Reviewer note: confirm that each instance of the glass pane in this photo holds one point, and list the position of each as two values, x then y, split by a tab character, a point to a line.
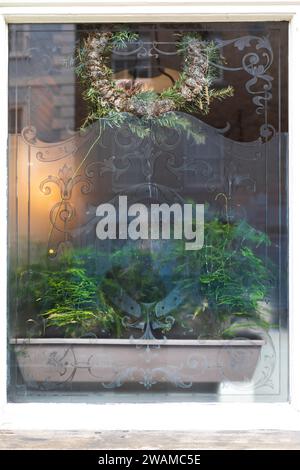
148	212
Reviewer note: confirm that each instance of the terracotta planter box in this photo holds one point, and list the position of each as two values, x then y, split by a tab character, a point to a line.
113	363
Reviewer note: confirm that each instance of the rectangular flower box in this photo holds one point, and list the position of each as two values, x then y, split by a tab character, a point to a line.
115	362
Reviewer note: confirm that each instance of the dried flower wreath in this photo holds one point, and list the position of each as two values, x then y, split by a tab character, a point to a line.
193	92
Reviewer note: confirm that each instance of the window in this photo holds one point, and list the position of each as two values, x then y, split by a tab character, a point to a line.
103	317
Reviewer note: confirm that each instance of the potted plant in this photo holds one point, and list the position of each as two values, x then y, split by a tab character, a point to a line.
147	314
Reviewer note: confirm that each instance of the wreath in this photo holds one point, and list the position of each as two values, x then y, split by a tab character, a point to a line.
192	92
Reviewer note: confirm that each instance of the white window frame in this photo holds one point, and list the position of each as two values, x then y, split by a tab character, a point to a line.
159	416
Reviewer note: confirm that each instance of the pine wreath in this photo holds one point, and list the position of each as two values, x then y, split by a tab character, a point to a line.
193	92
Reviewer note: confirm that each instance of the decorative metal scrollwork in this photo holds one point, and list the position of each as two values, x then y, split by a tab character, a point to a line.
201	168
67	365
63	211
51	152
256	64
109	165
149	316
